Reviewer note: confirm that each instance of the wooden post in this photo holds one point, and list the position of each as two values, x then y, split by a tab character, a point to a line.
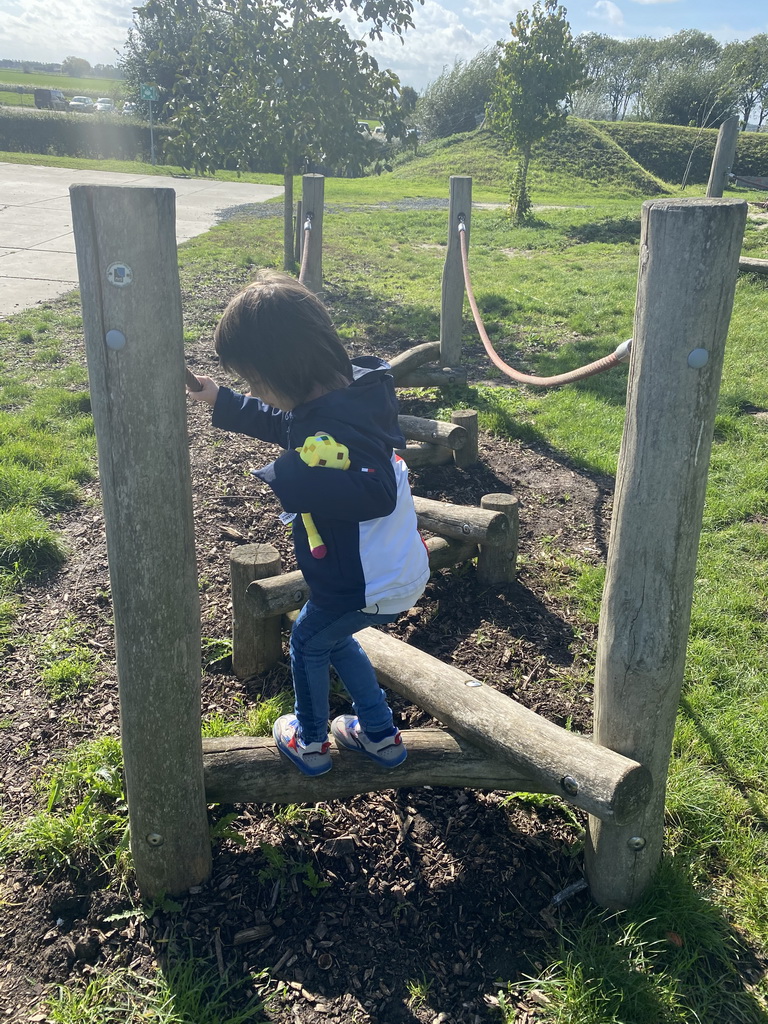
313	199
689	252
466	455
256	641
452	301
298	233
496	563
129	284
725	155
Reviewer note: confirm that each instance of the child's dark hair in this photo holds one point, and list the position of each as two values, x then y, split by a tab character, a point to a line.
280	331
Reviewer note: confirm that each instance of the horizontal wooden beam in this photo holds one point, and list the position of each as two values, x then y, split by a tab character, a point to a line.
249	769
463	522
606	784
413	358
448	435
418	455
433	377
753	266
281	594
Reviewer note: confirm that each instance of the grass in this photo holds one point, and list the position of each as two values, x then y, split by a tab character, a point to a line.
555	293
49	80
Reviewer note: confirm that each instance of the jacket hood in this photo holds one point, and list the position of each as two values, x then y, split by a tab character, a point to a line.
367	405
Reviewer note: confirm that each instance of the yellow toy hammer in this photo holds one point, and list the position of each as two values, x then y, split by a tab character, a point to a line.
321	450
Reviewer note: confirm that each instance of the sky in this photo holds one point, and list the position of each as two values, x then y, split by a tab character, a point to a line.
445	30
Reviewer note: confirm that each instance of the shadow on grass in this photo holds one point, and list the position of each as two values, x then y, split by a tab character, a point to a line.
610	231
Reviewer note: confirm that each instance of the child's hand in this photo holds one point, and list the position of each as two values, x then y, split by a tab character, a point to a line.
207	393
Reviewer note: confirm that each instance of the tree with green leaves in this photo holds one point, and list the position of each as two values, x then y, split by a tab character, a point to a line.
538	69
456	100
264	86
75	67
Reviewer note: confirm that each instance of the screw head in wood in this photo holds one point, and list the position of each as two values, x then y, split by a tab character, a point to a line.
570	785
636	843
155	839
115	340
697	358
465	528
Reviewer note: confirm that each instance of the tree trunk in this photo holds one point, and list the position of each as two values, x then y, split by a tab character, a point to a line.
520	201
289	260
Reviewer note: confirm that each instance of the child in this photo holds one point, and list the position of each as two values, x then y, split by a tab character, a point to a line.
278	336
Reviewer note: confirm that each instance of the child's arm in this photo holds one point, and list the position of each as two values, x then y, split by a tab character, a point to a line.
202	389
241	414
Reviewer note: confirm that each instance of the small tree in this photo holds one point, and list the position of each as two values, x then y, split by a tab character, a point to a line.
538	69
456	101
75	67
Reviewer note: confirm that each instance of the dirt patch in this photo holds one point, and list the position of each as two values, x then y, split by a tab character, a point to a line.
420	903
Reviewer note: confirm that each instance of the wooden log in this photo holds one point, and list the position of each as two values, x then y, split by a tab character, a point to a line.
433	377
279	595
413	358
312	203
688	268
753	266
416	455
496	563
126	256
447	435
466	455
452	288
599	780
723	159
298	233
256	640
249	769
462	522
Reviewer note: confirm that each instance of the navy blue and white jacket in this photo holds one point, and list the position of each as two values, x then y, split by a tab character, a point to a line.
376	560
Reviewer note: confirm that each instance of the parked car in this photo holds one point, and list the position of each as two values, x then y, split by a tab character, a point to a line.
363	127
379	129
50	99
83	103
104	105
129	109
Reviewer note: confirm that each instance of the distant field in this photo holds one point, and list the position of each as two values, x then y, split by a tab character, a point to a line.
70	86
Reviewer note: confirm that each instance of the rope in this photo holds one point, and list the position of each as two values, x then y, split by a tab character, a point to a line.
606	363
305	248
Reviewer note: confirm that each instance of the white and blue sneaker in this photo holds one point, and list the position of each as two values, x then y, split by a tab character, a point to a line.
310	758
388	752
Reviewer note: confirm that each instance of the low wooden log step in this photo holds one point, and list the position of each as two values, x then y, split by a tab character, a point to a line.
753	266
413	358
447	435
608	785
249	769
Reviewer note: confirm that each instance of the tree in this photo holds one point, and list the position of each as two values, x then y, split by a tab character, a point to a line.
260	84
408	100
747	65
538	68
457	99
75	67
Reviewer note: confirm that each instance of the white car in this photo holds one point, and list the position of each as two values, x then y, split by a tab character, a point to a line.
129	109
83	103
104	105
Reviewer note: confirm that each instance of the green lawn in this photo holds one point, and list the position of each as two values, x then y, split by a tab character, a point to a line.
69	86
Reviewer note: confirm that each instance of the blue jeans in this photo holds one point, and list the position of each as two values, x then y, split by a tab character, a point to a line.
321	638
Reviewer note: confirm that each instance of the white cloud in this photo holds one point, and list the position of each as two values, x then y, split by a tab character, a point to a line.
50	30
606	10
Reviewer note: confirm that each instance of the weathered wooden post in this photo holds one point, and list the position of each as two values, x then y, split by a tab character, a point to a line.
467	455
129	284
313	198
452	299
497	563
725	154
256	640
689	255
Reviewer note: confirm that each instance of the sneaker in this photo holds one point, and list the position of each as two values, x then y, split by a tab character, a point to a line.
310	758
348	733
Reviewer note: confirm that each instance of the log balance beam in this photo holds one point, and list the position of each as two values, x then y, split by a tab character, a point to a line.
495	743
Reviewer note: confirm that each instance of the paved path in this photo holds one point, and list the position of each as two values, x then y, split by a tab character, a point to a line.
37	248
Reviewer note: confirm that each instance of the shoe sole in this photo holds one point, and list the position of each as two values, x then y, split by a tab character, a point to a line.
297	761
357	749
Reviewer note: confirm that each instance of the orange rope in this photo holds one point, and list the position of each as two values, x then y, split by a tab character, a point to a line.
305	248
606	363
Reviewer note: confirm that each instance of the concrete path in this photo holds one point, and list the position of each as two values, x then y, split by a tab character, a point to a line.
37	248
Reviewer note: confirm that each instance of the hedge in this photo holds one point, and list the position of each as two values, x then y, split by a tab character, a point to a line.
665	149
89	136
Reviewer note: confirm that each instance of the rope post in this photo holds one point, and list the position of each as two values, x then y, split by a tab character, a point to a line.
466	455
256	641
313	198
496	563
452	298
725	155
129	285
689	255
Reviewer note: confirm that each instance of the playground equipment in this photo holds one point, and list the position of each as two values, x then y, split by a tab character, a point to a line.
689	255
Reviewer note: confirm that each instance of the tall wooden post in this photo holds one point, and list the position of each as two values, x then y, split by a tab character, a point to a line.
313	198
689	254
725	155
129	285
452	299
